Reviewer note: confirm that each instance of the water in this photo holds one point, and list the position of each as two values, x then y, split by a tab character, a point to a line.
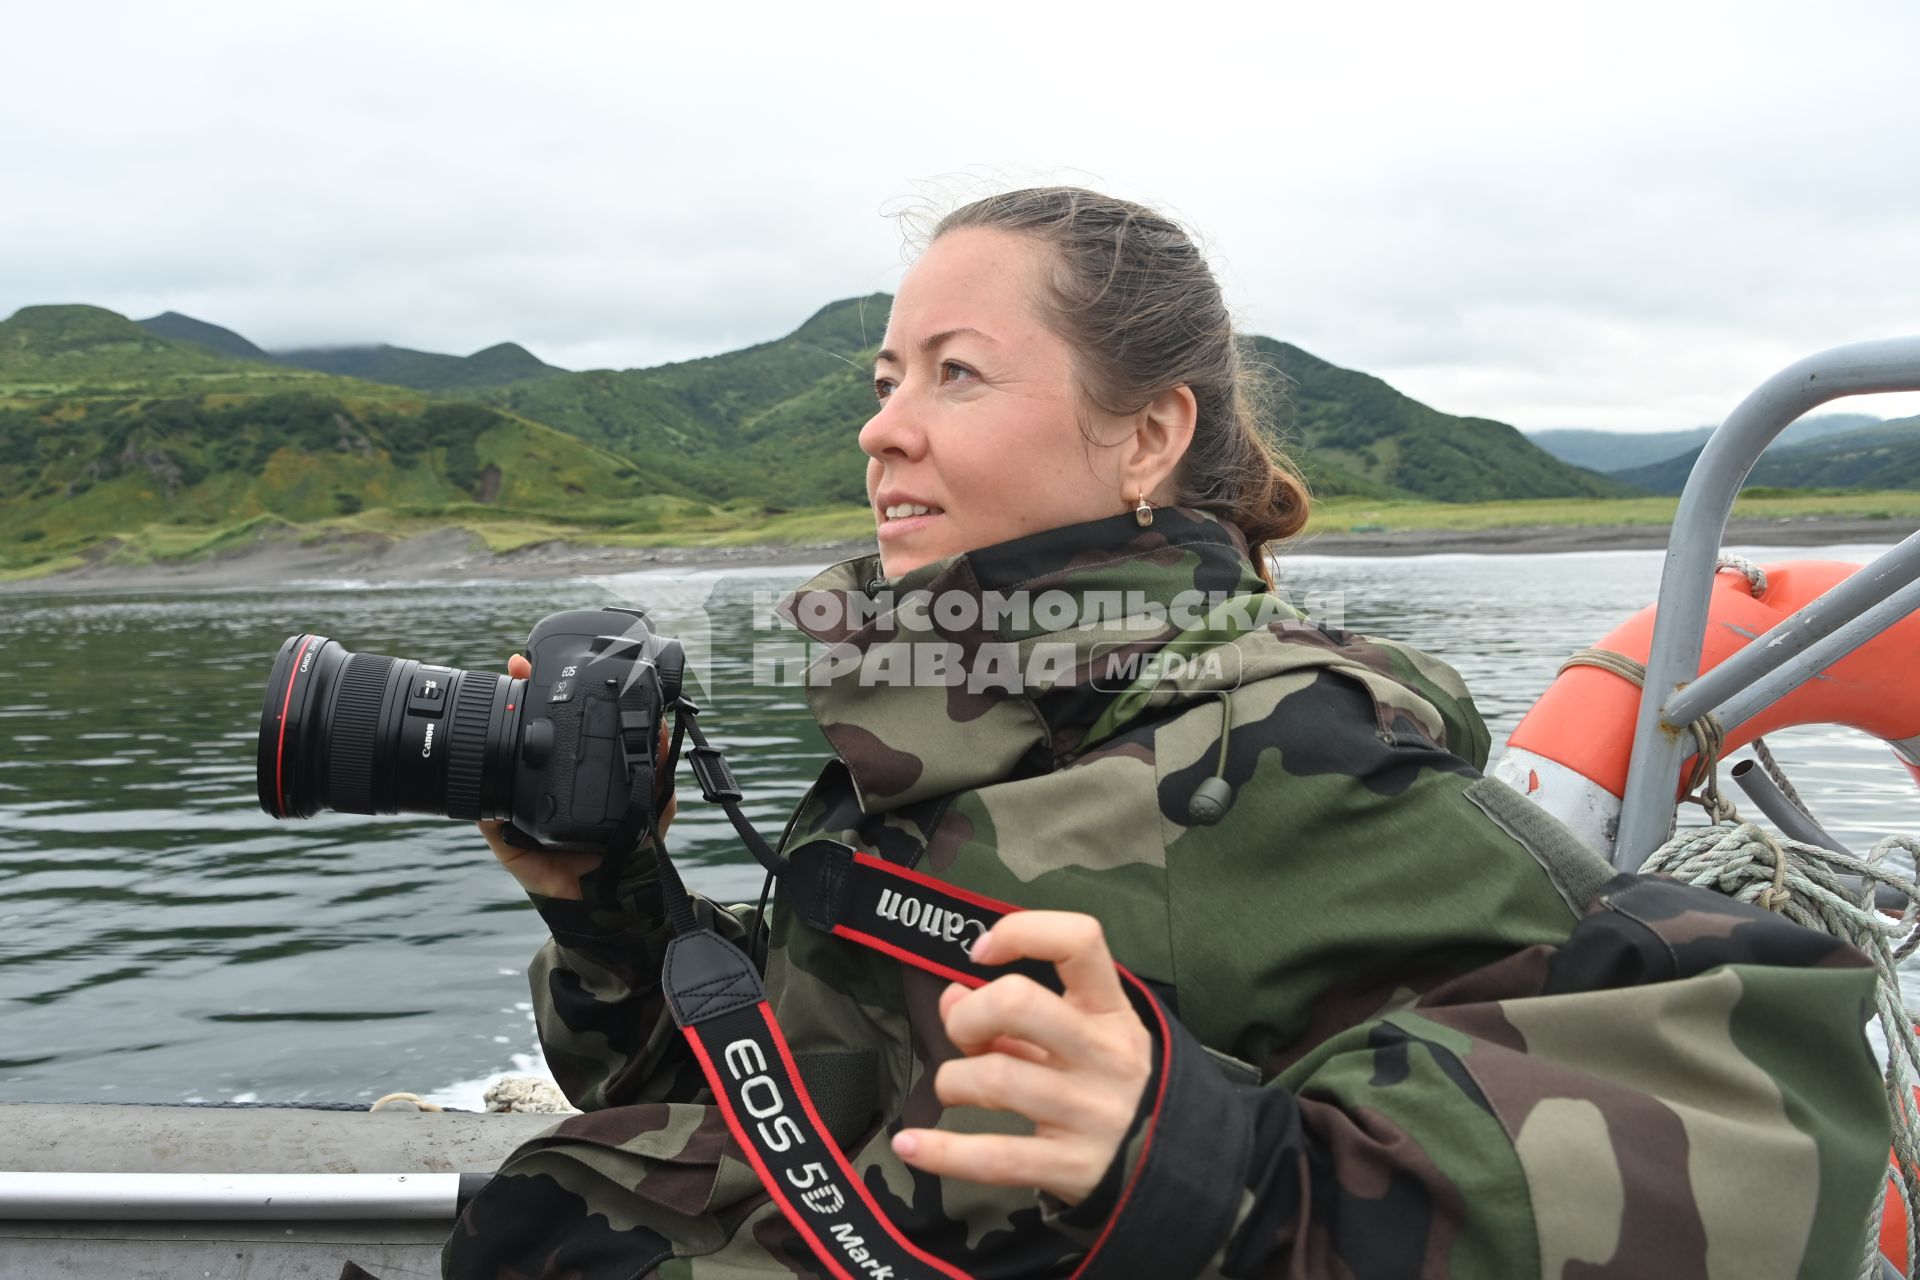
161	939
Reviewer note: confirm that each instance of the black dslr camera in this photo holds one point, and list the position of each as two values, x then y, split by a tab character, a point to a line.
559	754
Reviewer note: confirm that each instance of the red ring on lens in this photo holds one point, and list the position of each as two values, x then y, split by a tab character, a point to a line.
280	751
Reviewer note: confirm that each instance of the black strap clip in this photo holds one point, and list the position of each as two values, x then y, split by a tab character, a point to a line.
705	977
716	780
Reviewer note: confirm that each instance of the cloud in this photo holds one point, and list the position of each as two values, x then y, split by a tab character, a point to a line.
1615	217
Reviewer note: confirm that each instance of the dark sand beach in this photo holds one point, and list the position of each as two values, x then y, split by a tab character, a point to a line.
1798	531
459	556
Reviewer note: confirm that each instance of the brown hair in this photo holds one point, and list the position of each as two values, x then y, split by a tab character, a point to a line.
1135	298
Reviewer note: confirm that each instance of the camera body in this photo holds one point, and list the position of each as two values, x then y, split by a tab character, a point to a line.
590	724
560	754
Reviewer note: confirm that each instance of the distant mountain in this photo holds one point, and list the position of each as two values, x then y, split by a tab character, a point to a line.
424	370
393	366
1885	455
171	324
779	421
1615	451
77	350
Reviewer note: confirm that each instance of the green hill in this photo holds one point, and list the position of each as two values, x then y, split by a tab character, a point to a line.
1352	433
1614	451
1883	456
424	370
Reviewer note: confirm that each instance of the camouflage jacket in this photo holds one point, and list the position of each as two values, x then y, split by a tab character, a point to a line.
1421	1029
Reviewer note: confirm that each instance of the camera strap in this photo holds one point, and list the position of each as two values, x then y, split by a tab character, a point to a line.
721	1006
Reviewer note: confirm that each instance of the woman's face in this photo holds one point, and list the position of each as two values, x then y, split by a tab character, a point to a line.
981	435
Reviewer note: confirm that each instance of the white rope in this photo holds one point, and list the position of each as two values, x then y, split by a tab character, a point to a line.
1815	887
1755	575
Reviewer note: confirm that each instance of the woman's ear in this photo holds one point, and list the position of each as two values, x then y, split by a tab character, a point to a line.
1162	433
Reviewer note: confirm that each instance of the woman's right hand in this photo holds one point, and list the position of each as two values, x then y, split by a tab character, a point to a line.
552	873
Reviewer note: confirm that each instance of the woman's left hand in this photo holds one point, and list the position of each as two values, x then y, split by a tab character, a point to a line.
1075	1064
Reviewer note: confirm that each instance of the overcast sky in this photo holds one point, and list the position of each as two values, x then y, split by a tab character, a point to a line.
1613	215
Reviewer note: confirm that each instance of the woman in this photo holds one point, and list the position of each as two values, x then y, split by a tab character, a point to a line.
1412	1027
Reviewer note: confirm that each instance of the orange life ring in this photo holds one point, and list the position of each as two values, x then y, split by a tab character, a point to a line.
1569	754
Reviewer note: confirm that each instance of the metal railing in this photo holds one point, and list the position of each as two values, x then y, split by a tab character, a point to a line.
235	1197
1795	651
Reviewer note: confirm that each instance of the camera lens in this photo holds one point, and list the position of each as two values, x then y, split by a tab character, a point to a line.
367	733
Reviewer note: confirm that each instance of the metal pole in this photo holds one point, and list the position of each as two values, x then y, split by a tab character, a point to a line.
1787	677
1653	773
1840	605
119	1197
1793	821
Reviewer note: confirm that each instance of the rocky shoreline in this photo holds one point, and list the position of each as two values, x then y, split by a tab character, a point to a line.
452	555
456	555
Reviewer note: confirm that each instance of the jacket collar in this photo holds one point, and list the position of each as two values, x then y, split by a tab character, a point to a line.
1009	660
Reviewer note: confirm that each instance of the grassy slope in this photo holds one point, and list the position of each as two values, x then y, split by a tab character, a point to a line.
774	422
659	521
74	473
